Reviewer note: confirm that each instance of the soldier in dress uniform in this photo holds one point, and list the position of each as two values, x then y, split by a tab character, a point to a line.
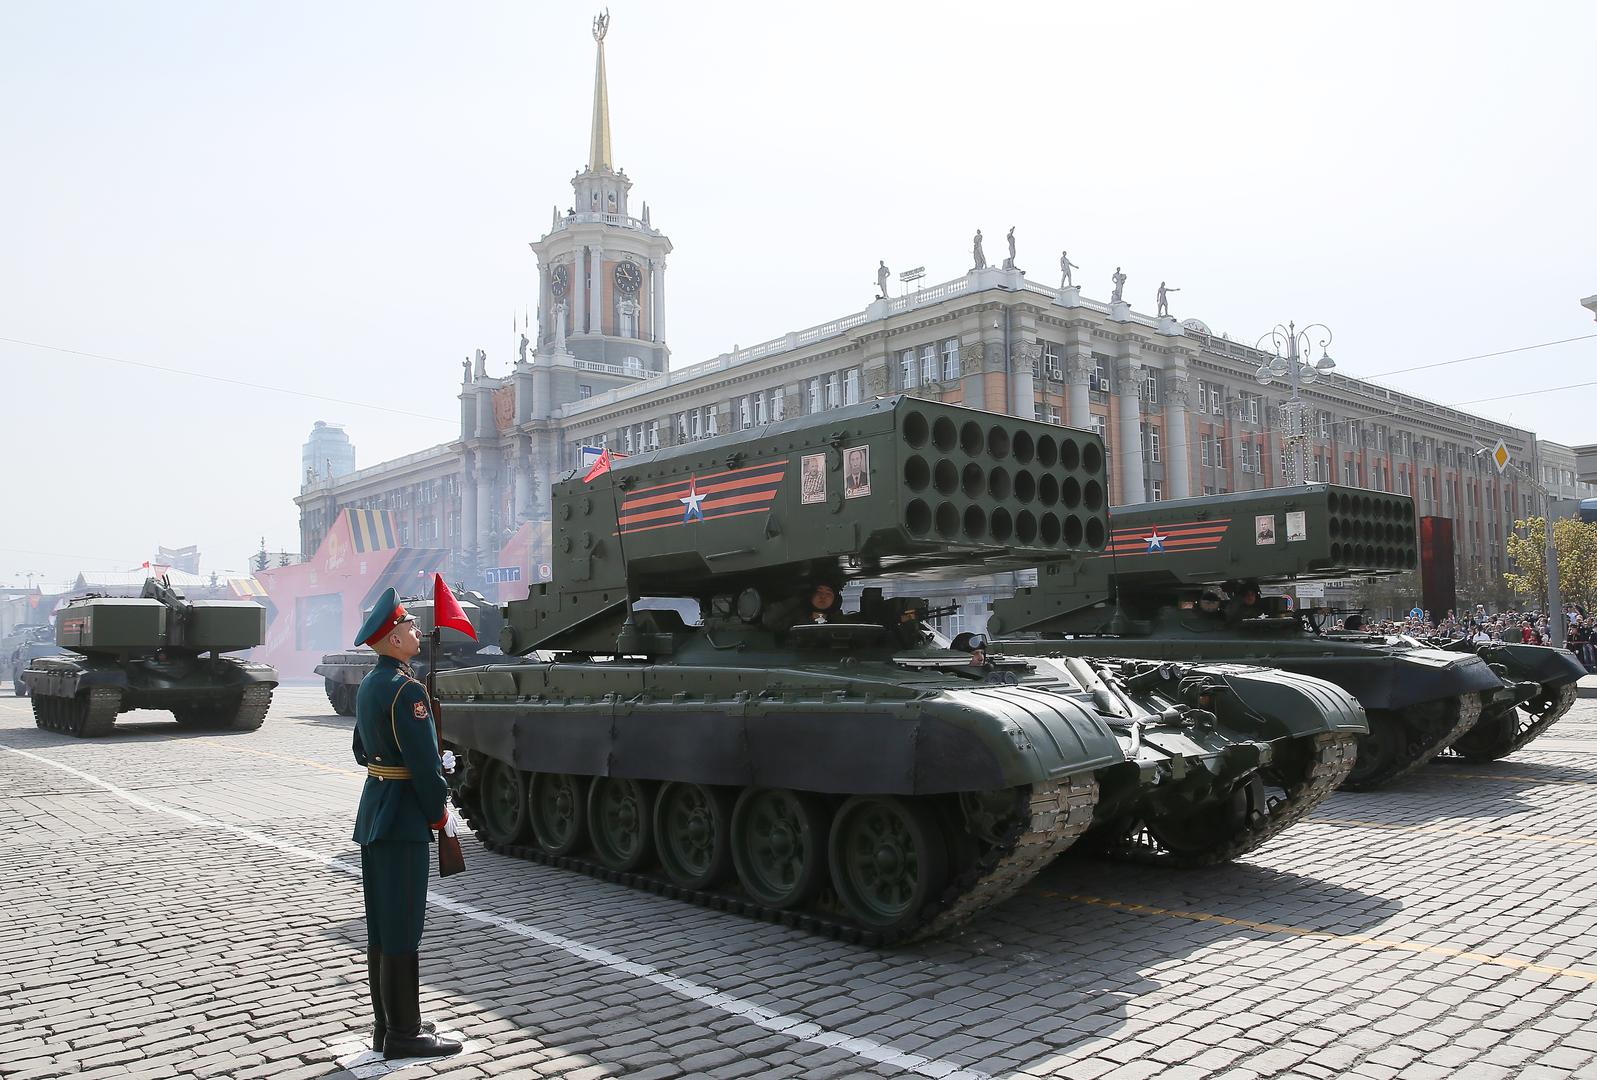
404	800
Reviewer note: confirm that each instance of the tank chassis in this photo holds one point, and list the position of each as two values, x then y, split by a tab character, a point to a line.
155	651
1539	685
1144	596
849	776
342	672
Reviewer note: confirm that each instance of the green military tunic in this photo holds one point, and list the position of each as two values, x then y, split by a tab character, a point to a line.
394	731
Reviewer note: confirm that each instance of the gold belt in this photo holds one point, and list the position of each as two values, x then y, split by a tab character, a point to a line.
388	772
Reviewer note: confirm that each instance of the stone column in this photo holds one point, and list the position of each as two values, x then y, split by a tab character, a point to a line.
467	525
579	291
657	305
1078	374
596	293
1023	360
485	505
522	448
972	362
1178	468
1126	449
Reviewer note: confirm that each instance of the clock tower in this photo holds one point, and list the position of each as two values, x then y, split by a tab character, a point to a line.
601	270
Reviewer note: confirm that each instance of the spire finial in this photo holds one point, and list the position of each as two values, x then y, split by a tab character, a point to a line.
599	157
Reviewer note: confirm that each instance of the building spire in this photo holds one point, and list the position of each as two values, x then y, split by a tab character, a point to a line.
599	157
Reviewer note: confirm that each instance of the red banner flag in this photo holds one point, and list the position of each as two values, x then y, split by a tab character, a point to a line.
598	468
447	610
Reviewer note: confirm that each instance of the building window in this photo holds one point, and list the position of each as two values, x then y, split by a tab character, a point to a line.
1203	396
1250	404
762	410
1099	424
1096	379
654	434
1206	448
1050	360
1247	456
698	423
928	363
779	403
851	380
1325	424
834	390
951	359
712	423
745	413
584	391
626	441
1157	487
815	394
1150	389
906	366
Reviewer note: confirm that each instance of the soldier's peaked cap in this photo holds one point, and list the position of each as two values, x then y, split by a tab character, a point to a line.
386	614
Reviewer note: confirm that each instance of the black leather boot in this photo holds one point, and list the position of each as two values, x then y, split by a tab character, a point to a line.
374	980
401	988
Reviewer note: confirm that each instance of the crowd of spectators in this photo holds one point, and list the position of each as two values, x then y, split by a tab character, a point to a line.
1524	627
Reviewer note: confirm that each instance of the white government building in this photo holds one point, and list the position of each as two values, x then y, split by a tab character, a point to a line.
1179	408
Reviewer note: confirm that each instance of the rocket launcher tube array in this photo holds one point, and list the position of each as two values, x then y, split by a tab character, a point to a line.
893	486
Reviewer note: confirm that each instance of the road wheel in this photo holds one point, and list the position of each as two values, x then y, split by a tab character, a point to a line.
1492	737
559	812
779	846
619	821
503	794
1380	752
693	830
888	860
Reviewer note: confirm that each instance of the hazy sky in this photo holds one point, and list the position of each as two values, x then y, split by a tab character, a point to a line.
337	198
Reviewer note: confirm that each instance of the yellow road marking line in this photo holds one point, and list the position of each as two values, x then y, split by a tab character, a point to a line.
295	760
1512	962
1452	830
1517	779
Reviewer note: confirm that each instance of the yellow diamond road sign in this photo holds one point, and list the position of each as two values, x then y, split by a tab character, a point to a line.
1500	455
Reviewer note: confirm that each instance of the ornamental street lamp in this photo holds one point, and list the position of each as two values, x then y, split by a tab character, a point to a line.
1292	366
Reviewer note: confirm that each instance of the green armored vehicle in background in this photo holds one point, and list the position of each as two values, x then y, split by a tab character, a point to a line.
1539	685
1152	593
342	672
848	774
156	651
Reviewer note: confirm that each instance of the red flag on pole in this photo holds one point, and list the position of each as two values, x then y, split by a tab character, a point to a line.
447	610
598	468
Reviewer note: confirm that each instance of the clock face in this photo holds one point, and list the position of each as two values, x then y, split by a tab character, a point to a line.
628	278
559	281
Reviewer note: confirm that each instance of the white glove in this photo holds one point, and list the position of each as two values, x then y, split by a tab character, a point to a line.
449	761
452	823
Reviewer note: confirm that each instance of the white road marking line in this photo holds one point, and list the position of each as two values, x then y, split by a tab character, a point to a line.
794	1027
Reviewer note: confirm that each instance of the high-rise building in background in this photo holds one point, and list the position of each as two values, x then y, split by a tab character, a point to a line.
327	453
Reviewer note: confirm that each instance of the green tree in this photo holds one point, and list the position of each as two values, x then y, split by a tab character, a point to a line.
1576	542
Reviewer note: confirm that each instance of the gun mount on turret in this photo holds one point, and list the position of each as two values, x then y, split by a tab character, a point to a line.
1182	579
155	651
849	773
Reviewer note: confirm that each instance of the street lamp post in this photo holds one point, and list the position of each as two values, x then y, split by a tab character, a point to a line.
1299	372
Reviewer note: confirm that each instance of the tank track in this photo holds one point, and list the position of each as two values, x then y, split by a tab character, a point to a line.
91	714
1058	815
252	708
1468	712
1333	757
1515	731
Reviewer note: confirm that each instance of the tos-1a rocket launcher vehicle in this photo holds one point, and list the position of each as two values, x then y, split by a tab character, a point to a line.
1156	592
155	651
844	773
342	672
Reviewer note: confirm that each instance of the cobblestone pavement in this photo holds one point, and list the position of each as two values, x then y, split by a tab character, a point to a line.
188	905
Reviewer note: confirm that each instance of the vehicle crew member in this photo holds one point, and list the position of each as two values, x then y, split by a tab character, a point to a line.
404	800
